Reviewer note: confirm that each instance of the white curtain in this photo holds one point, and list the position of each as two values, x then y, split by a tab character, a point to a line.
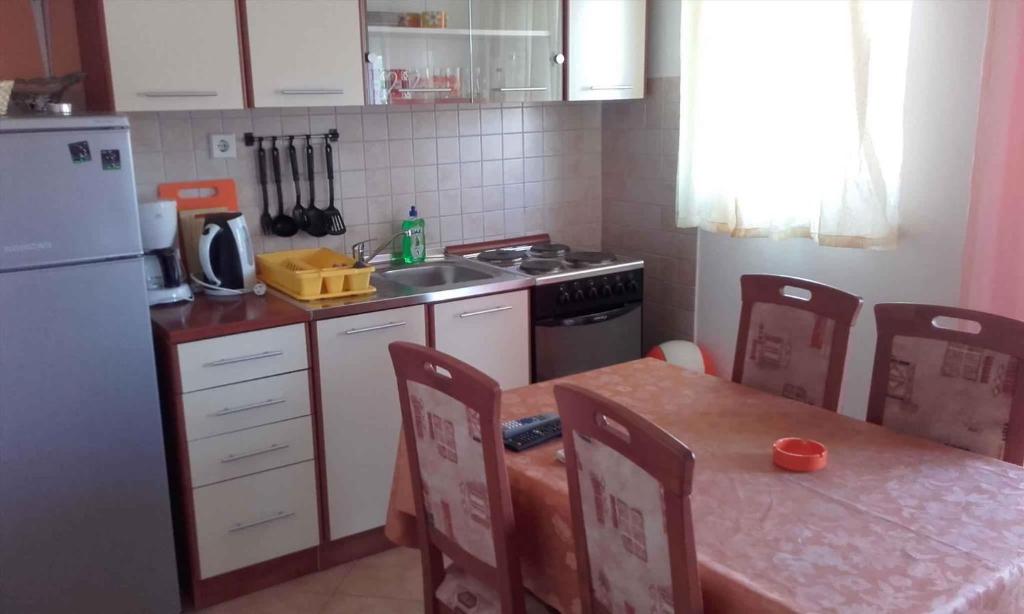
792	118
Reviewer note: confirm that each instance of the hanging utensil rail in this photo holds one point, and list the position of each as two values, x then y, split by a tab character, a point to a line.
331	135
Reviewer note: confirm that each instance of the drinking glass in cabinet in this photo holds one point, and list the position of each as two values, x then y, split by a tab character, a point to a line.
419	51
517	53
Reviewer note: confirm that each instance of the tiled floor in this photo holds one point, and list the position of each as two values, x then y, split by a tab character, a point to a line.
386	583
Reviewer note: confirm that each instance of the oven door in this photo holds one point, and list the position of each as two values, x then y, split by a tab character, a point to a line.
563	346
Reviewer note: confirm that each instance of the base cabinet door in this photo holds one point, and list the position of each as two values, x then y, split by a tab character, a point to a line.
361	414
492	333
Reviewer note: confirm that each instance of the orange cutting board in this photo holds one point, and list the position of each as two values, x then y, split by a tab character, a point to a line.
223	194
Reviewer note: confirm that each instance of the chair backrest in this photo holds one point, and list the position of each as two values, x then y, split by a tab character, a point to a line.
450	415
629	490
955	380
792	338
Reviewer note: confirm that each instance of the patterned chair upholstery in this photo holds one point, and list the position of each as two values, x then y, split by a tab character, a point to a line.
950	385
790	346
629	488
463	506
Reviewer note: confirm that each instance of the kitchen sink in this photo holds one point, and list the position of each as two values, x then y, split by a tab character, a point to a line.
433	275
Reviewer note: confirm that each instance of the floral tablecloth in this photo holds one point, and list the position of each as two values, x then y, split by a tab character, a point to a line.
893	524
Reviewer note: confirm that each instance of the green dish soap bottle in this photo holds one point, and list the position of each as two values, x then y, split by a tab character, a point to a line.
414	244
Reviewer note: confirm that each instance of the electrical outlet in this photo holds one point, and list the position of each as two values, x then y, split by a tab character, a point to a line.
223	146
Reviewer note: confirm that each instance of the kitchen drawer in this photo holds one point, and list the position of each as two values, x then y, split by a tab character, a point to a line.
256	518
240	406
232	455
236	358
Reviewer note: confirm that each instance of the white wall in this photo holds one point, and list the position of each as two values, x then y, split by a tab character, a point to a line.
944	76
663	59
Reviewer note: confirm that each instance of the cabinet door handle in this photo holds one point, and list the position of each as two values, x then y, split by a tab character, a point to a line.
426	90
255	523
274	447
310	92
356	331
470	314
246	358
522	89
258	404
178	94
610	87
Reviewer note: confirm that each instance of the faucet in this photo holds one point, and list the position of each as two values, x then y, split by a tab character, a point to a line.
359	249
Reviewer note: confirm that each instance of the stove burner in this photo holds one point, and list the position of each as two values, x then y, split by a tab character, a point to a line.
549	250
583	260
537	266
502	257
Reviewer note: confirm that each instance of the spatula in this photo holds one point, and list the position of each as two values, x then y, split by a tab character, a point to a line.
335	223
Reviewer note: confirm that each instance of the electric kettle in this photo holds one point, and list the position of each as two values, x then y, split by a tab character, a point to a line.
226	256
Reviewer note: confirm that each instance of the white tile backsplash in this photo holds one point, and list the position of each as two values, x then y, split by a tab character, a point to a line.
463	167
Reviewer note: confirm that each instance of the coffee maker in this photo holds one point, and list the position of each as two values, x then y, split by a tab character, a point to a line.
165	276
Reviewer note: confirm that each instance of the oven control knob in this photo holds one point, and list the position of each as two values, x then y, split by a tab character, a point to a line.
619	288
563	296
632	286
578	296
606	291
592	292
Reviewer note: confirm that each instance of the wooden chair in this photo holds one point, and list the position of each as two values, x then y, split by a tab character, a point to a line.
951	375
629	489
463	506
792	338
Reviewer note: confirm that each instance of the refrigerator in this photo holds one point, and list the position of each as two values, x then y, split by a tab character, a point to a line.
85	513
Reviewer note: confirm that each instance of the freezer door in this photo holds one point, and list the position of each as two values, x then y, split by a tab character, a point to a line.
66	196
85	516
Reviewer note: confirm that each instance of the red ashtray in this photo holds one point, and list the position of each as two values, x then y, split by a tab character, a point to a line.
798	454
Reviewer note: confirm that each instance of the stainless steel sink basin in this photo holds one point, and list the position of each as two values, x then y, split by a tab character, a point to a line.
433	275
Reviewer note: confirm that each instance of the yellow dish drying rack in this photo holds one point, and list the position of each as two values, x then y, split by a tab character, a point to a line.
311	274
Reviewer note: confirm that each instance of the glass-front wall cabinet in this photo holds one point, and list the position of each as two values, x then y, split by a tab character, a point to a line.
464	51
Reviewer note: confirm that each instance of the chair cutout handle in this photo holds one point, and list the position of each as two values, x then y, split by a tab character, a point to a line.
197	193
959	325
438	372
612	427
796	293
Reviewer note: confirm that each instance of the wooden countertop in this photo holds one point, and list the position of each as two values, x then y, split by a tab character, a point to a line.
208	317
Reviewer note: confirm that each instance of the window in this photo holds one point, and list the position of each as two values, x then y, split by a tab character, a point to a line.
792	119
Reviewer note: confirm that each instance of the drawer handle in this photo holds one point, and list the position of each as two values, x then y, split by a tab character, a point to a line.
470	314
248	357
179	94
610	87
255	523
356	331
258	404
311	92
230	458
522	89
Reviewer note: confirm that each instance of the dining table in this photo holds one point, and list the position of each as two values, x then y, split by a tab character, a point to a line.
891	524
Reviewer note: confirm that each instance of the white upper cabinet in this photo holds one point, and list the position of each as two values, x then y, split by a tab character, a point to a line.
606	49
305	53
168	55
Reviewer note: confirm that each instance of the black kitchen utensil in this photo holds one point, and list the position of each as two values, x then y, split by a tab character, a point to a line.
266	222
335	222
298	212
318	223
284	225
